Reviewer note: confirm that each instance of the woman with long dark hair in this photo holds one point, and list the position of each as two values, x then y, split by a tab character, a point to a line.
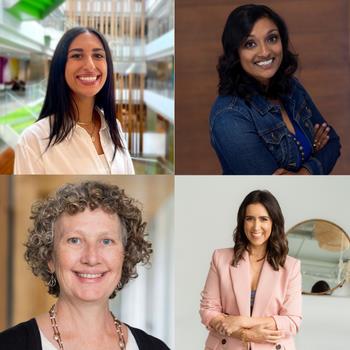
77	131
263	121
252	296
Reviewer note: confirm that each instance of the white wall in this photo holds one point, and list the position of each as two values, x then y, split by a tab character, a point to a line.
147	302
205	212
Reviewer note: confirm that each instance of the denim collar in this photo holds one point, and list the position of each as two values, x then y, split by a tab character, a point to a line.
263	105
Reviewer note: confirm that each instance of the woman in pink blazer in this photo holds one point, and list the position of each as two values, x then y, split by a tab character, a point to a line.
252	296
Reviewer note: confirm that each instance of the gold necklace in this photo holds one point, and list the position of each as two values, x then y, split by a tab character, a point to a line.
91	134
258	259
57	334
83	123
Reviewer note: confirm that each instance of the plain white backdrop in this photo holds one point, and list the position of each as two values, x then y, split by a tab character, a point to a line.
205	217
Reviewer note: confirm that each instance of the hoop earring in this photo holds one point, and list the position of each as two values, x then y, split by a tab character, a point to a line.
52	283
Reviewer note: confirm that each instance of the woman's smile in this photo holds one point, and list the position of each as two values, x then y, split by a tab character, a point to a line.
86	67
265	64
90	277
89	79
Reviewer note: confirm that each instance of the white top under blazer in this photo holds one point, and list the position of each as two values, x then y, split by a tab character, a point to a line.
76	154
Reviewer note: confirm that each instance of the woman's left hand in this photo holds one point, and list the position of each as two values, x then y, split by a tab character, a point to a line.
320	136
262	334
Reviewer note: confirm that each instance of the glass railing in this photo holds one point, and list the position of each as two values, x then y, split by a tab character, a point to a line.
151	166
165	88
19	109
32	94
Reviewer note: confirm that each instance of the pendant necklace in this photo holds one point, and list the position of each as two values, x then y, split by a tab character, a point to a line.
57	334
91	134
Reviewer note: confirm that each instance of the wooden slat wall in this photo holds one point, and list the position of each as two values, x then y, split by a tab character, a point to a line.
319	31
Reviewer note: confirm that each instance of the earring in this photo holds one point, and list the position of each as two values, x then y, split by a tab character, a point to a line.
119	285
52	281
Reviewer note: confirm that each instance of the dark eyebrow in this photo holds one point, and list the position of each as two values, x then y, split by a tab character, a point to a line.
82	50
269	32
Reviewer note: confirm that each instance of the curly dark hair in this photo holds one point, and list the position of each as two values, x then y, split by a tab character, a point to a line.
233	80
73	199
277	245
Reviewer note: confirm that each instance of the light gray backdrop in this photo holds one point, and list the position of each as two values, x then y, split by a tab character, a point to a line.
205	212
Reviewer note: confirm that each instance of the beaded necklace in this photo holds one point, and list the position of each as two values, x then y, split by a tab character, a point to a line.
57	334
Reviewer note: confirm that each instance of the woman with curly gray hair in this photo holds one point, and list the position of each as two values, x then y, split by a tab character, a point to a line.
85	244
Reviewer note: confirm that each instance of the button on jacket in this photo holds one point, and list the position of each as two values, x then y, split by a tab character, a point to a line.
76	154
252	138
227	290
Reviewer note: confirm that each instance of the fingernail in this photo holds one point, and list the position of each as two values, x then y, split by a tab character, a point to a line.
328	128
324	124
317	126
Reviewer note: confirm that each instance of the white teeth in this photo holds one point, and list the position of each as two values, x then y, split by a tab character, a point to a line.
90	79
89	275
264	63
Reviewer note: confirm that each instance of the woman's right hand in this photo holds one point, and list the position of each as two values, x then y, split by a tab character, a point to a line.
320	136
262	334
227	324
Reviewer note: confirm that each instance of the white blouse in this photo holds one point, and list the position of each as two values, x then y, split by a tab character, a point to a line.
74	155
47	345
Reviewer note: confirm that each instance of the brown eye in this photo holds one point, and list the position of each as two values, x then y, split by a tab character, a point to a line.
273	38
99	56
76	56
249	44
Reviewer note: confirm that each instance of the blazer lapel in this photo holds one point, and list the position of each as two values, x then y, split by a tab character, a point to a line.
240	277
267	283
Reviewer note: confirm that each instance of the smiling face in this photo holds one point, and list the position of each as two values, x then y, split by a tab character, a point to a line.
261	53
257	225
88	255
86	66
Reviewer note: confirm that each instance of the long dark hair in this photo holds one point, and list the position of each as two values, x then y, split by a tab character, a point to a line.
233	80
277	245
59	102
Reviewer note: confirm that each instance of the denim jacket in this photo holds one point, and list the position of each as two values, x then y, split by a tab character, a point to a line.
252	138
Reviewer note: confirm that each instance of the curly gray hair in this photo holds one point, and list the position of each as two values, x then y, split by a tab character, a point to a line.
73	199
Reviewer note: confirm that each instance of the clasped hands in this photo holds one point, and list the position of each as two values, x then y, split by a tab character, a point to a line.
242	328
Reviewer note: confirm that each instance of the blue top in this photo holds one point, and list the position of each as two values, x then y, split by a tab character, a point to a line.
303	144
252	299
251	138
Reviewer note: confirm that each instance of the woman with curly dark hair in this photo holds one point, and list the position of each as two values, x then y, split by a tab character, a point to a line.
263	121
252	296
85	244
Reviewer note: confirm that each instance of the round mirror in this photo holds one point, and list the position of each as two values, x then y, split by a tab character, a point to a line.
324	251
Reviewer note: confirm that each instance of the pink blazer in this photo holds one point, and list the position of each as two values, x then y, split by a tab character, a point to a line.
227	290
